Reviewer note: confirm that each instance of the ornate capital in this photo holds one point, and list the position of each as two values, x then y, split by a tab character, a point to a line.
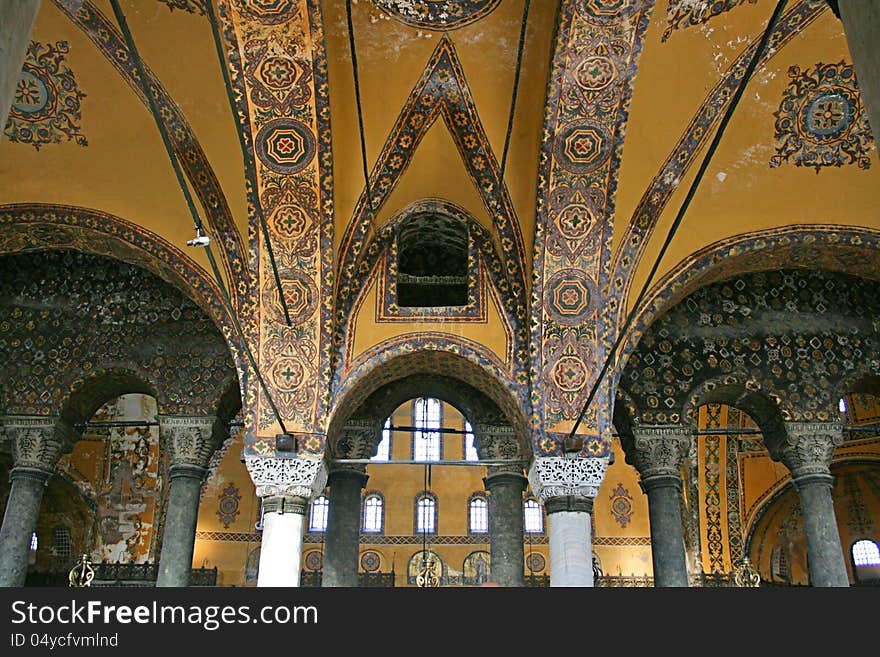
359	438
188	439
38	441
496	441
562	476
808	447
658	451
296	477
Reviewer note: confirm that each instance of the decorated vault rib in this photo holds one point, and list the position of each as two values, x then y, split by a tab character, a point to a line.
443	91
34	227
46	107
687	13
279	77
437	14
105	35
594	64
700	130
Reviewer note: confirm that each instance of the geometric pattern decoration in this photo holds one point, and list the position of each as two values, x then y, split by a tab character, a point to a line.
685	13
313	560
440	15
46	106
621	505
268	12
370	561
595	56
795	335
821	121
535	562
228	505
285	145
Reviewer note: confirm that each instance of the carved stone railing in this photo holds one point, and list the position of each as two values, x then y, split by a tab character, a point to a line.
120	575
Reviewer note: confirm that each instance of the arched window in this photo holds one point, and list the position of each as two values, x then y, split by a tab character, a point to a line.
426	514
61	548
383	452
427	418
533	517
432	261
865	553
373	513
478	514
470	444
318	515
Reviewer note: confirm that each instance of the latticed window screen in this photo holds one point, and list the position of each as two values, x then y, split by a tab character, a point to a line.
866	553
373	514
478	515
427	418
318	515
533	518
61	546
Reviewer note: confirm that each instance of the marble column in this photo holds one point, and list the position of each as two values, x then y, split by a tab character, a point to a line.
566	486
806	450
188	441
861	22
507	562
285	485
343	526
658	453
37	444
16	23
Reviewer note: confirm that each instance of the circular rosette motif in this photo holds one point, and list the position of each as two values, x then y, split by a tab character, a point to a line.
370	561
35	96
285	146
536	562
827	115
582	146
438	15
569	297
314	560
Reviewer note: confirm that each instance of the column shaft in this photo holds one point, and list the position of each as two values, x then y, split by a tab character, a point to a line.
343	528
178	541
281	548
861	22
19	522
571	541
824	552
667	537
507	563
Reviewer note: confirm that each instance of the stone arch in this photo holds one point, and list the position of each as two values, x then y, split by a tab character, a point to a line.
837	248
34	227
442	357
88	394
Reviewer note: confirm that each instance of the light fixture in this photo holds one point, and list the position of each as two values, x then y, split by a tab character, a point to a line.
200	240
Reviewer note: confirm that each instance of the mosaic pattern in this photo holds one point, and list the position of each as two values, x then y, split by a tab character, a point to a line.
74	325
370	561
536	563
442	91
595	58
795	335
228	505
621	505
820	121
694	139
736	419
104	33
47	105
36	227
437	14
279	75
711	486
686	13
314	560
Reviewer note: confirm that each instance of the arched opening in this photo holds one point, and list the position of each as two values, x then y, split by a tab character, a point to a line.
432	261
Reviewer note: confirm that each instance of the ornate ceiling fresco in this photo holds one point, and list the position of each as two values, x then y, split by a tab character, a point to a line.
566	199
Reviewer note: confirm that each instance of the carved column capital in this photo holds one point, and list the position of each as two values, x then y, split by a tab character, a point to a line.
359	439
563	476
807	447
38	441
496	441
295	477
658	451
188	439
